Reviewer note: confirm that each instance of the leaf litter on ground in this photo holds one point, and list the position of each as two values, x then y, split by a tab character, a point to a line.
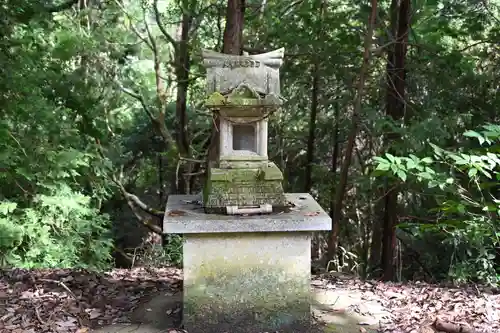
64	301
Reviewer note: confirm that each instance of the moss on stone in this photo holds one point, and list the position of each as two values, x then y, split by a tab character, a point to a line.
210	319
251	298
244	187
256	284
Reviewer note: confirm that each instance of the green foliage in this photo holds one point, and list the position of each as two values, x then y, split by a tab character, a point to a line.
72	124
53	177
468	201
58	230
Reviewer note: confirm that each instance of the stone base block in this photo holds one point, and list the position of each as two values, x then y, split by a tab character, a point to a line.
247	282
243	187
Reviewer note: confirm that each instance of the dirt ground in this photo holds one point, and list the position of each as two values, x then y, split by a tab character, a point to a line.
149	300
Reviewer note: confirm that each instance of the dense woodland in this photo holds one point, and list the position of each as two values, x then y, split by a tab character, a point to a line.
391	121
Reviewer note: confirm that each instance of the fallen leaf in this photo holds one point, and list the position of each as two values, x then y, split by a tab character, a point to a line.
94	313
311	213
176	213
83	330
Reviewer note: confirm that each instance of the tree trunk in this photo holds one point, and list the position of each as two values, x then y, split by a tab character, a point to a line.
182	77
334	163
311	140
312	128
315	74
396	110
344	172
377	235
335	157
232	44
233	33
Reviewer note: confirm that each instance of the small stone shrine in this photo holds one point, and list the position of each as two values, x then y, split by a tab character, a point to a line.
247	247
244	91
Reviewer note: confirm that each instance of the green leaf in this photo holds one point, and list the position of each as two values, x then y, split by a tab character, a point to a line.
489	208
380	159
410	164
437	150
473	134
383	167
402	175
390	157
432	184
461	208
472	172
486	173
425	175
427	160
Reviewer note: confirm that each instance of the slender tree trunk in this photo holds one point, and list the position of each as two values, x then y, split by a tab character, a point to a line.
312	128
396	110
334	162
344	172
315	87
376	237
182	76
335	157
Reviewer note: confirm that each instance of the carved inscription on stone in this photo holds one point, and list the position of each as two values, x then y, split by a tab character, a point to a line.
260	71
245	194
232	63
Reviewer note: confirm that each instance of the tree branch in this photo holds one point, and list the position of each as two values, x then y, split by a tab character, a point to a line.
141	100
199	19
134	29
143	206
290	7
133	202
152	40
162	27
63	6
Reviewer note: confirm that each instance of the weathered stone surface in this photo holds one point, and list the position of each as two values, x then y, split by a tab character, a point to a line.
184	215
243	101
260	72
243	91
244	187
249	282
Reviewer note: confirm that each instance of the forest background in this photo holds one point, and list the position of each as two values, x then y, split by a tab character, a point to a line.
391	121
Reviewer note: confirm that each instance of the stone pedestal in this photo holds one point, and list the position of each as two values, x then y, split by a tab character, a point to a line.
246	274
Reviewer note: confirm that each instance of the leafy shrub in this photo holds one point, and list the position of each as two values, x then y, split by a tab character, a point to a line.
58	230
468	202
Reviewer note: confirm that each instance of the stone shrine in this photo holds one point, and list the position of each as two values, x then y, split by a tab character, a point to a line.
247	247
243	91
